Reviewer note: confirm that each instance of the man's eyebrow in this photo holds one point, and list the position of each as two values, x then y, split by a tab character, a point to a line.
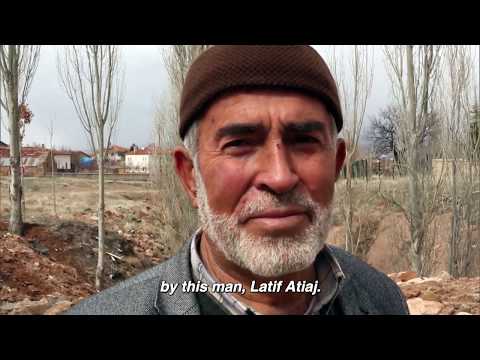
238	129
305	127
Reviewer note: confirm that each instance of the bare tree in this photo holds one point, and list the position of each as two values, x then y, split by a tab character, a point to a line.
414	74
177	60
456	105
52	164
18	64
354	84
178	215
381	132
93	81
474	132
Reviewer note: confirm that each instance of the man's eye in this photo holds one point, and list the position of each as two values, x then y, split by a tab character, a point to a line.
305	139
236	143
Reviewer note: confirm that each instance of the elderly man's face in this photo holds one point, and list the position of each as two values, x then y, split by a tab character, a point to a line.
267	165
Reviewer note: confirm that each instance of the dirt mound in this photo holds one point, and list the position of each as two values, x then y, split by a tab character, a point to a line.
389	251
59	268
53	266
440	295
26	274
75	243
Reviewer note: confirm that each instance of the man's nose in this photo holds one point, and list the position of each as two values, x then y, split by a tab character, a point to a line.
276	174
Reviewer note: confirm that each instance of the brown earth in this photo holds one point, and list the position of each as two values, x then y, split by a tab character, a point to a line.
389	251
385	235
60	258
27	275
52	266
440	295
48	270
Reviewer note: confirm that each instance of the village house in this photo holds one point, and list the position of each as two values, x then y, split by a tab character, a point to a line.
115	159
139	160
116	154
68	160
63	161
36	161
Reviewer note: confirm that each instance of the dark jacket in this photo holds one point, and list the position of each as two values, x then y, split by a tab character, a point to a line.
363	291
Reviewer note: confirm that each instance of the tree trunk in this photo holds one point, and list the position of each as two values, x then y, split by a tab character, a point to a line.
16	218
101	213
54	195
470	205
416	215
454	238
348	205
1	125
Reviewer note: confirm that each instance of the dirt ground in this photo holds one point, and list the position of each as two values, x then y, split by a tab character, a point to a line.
383	230
52	266
439	295
55	259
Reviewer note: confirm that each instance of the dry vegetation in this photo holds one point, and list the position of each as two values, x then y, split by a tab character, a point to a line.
427	221
383	232
138	207
134	224
53	265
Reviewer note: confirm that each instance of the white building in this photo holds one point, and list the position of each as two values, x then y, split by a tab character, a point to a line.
138	161
116	153
63	161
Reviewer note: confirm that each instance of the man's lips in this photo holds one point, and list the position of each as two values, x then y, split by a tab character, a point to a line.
279	214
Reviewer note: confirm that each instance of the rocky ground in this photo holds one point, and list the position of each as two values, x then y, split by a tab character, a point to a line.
49	269
52	266
440	295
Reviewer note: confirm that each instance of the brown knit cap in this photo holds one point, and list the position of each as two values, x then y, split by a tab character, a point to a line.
231	67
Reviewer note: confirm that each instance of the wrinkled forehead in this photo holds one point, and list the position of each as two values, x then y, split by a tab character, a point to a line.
271	108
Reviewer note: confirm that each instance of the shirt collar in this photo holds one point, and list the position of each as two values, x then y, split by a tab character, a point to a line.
200	273
329	272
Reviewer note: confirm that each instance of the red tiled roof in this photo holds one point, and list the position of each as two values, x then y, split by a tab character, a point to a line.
118	149
29	151
145	151
70	152
62	152
26	152
83	153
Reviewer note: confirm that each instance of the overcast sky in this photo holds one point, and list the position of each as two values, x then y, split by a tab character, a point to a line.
146	82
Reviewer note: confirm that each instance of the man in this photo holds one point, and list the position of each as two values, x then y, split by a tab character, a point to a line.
260	162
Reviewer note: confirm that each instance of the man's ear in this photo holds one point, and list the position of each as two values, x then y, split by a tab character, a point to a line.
340	159
185	171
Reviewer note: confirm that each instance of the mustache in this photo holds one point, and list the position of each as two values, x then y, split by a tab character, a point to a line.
268	201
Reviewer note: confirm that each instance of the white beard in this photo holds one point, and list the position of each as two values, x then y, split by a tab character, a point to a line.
265	256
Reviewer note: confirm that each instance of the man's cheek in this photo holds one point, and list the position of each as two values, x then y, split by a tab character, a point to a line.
227	187
322	188
325	196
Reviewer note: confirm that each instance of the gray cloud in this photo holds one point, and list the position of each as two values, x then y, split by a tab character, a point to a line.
146	81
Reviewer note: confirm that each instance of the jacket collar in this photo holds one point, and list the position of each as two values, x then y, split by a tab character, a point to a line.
351	298
175	271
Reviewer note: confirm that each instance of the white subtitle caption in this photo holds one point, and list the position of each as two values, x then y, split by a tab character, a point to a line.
267	287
